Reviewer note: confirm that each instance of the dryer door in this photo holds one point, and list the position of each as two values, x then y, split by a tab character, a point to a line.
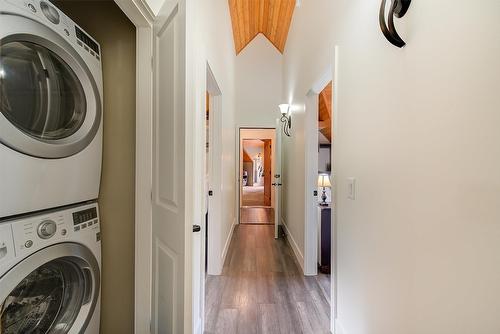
50	105
52	291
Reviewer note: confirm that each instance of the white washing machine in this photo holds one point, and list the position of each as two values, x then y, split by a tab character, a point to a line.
50	109
50	269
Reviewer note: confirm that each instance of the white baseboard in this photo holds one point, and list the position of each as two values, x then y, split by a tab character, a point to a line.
228	242
296	250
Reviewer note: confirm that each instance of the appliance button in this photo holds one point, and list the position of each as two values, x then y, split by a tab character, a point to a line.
86	48
79	43
47	229
64	232
66	31
77	228
98	58
95	221
89	223
28	244
84	226
32	7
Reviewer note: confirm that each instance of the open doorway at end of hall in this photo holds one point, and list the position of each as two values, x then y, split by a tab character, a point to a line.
256	175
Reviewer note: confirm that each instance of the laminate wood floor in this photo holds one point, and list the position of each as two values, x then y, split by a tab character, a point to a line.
262	289
257	216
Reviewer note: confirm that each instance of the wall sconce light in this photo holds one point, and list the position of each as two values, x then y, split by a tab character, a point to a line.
286	118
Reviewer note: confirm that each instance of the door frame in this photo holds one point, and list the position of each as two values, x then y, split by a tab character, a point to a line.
310	179
142	17
239	166
311	174
215	155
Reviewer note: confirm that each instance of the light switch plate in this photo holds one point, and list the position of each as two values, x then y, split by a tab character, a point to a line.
351	188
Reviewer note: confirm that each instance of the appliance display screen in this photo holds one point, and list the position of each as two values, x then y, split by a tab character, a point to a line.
87	40
84	215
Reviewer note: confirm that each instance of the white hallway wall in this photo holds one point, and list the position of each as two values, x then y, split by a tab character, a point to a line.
213	34
308	56
258	84
418	251
217	48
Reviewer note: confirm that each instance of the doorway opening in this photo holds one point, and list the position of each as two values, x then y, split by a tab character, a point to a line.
213	176
256	169
320	227
324	170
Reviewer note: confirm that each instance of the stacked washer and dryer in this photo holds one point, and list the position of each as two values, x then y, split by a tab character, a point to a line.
50	166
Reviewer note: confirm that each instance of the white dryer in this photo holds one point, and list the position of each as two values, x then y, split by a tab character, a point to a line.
50	109
50	270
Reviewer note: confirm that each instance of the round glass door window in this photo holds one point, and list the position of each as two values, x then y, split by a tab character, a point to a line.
39	93
47	301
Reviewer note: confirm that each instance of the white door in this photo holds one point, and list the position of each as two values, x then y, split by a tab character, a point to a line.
278	179
170	265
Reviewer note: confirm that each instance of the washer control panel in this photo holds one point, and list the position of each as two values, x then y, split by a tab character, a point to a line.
40	230
84	218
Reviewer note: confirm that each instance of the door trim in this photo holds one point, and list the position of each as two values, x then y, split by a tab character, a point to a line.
140	14
239	166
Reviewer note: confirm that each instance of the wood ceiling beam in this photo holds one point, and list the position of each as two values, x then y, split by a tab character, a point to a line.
272	18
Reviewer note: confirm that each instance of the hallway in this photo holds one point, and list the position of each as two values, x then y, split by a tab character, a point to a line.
257	216
253	196
262	289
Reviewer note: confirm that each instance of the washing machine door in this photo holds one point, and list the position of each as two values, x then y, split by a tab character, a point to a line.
52	291
50	106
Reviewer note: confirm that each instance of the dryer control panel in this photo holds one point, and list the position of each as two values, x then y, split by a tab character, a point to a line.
48	13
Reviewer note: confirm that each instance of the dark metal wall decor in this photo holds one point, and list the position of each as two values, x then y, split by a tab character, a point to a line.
398	9
287	124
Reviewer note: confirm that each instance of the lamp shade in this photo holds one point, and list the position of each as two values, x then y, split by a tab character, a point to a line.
324	181
284	108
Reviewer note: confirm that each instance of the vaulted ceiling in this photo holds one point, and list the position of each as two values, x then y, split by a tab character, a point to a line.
272	18
325	112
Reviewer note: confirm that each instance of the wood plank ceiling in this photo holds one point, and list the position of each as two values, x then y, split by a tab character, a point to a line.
271	18
325	112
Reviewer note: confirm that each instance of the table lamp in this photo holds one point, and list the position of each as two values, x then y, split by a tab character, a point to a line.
324	182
